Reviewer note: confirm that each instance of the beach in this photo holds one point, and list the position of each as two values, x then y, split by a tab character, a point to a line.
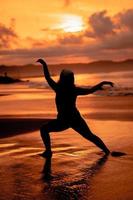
78	169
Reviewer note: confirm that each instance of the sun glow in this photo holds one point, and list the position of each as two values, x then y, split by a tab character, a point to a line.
72	23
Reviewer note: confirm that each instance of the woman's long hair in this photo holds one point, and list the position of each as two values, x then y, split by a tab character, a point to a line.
66	79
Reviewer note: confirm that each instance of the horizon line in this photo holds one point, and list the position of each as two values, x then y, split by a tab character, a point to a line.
71	63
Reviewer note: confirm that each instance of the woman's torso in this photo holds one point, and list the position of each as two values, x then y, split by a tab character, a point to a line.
66	102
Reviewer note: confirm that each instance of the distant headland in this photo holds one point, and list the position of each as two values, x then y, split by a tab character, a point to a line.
5	79
103	66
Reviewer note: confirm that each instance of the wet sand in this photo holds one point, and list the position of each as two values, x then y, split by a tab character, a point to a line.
78	169
13	126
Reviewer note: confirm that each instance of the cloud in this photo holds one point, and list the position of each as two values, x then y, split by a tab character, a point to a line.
52	30
70	38
63	53
123	37
126	19
7	35
101	25
122	40
51	51
112	32
34	43
112	39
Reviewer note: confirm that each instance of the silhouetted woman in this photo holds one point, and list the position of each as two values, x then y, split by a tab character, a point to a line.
68	115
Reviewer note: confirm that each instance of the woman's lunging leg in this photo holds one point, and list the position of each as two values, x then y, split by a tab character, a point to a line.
99	143
45	137
52	126
82	128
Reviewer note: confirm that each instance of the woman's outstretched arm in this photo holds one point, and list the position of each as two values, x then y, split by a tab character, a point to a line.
85	91
50	81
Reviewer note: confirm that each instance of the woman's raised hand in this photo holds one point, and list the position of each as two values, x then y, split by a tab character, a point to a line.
41	61
108	83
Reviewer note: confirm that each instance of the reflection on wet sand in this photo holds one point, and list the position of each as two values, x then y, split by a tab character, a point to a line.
74	189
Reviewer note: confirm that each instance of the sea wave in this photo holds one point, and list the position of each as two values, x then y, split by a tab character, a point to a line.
116	91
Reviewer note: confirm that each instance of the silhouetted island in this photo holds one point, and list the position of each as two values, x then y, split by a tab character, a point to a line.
7	79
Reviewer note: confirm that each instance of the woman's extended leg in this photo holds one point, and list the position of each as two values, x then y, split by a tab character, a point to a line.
82	128
52	126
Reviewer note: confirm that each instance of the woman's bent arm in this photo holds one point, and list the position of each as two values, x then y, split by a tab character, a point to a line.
90	90
50	81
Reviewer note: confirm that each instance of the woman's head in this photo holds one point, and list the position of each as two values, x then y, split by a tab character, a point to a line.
66	78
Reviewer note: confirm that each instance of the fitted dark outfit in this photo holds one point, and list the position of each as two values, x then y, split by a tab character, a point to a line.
68	116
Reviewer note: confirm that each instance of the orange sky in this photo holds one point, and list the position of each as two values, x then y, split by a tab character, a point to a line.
65	30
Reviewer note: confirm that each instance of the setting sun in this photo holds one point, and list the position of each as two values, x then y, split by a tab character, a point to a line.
72	23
